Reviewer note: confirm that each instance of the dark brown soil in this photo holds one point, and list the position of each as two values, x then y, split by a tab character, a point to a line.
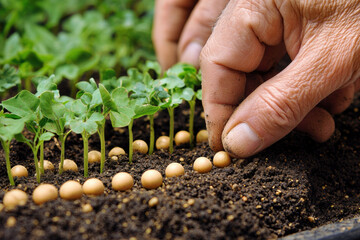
294	185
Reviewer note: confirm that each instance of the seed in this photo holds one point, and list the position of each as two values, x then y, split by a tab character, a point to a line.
140	146
174	170
202	136
93	187
122	181
116	151
151	179
162	142
182	137
202	165
94	156
71	190
70	165
221	159
15	198
19	171
44	193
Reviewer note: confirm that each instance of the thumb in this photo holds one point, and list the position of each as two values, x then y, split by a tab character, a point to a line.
277	106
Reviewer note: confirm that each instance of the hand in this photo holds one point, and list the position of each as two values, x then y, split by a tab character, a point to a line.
322	37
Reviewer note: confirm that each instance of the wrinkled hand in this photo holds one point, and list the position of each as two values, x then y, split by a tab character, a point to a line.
246	113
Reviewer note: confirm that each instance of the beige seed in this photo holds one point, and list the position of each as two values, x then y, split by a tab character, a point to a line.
153	202
70	165
151	179
222	159
202	136
71	190
93	187
174	170
44	193
202	165
19	171
182	137
162	142
94	156
15	198
140	146
122	181
116	151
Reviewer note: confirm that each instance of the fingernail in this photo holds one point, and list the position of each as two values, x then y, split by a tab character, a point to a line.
242	141
191	53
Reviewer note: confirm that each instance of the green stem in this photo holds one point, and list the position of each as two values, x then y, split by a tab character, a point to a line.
28	84
191	121
42	157
6	147
37	169
152	134
62	138
131	139
171	129
73	83
101	132
86	147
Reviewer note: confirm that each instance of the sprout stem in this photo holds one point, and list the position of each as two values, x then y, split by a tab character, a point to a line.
62	138
85	137
131	139
192	103
6	146
37	168
152	134
171	129
101	132
42	157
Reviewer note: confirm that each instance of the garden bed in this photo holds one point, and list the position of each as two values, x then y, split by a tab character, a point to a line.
294	185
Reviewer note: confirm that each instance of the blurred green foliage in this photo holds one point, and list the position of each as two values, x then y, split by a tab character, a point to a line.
74	38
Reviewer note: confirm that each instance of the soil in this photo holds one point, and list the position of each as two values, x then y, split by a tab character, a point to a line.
295	185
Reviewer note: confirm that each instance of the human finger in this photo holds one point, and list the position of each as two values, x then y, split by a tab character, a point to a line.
169	20
198	29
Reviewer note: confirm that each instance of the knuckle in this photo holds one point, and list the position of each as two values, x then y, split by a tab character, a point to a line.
281	111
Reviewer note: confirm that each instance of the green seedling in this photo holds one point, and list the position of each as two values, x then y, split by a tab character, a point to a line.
191	90
10	125
106	104
84	121
26	106
54	109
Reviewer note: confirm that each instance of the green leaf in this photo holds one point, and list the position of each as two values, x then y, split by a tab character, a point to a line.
120	96
24	104
8	78
46	136
47	84
78	108
9	127
69	71
172	82
199	94
107	100
120	119
12	46
51	108
88	87
142	110
187	94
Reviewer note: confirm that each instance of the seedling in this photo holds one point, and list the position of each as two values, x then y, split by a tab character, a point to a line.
9	127
85	122
115	105
190	91
26	105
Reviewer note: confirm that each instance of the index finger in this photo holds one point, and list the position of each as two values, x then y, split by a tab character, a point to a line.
169	20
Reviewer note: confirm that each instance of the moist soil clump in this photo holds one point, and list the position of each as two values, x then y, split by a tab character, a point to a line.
294	185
